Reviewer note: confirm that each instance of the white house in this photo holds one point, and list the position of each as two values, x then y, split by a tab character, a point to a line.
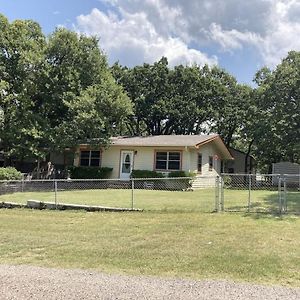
200	154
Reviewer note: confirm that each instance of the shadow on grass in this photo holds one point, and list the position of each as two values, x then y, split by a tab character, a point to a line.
268	205
265	215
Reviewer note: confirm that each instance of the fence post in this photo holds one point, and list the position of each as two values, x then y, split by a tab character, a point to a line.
222	194
22	185
55	193
284	196
217	194
249	193
279	195
132	192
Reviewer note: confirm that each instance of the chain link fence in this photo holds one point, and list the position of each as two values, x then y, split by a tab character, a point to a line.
268	193
154	194
175	194
229	192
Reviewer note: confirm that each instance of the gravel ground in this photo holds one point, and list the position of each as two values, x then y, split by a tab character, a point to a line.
27	282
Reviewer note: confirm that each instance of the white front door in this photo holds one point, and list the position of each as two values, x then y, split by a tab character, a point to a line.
126	164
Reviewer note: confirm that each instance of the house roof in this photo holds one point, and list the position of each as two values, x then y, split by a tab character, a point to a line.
162	140
172	141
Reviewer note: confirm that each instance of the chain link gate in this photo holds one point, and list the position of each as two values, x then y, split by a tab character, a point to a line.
267	193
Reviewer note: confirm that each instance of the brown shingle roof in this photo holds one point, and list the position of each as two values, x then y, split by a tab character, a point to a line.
163	140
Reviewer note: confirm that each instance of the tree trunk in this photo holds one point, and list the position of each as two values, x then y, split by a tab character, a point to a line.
247	156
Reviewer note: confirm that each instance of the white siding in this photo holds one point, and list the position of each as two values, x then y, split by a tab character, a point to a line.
206	151
144	158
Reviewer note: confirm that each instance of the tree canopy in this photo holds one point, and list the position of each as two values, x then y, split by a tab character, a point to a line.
55	91
58	91
262	121
278	101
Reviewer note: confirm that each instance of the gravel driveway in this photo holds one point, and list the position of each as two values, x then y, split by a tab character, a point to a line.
26	282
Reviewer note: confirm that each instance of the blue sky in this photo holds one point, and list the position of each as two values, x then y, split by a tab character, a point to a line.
240	36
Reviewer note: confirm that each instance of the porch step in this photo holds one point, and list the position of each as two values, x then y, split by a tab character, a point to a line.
203	182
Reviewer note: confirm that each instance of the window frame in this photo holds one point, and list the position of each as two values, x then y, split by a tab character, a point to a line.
168	160
199	163
90	158
210	163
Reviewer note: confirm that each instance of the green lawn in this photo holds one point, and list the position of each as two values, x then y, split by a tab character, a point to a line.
254	248
198	200
202	200
260	201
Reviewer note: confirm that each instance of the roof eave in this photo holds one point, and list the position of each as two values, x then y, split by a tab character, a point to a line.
224	149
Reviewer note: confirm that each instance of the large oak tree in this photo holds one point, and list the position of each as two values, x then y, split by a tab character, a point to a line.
55	92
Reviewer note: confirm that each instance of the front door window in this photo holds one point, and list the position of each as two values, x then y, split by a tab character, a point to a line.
126	163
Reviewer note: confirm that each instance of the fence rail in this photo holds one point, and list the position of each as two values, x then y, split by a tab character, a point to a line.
271	193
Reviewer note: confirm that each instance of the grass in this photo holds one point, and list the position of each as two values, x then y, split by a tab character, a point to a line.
254	248
146	199
260	200
198	200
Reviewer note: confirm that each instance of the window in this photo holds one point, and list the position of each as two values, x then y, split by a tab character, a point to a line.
210	163
199	163
126	165
90	158
167	160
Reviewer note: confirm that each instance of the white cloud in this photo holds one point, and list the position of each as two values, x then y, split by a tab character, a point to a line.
278	43
146	30
283	32
133	40
191	19
232	39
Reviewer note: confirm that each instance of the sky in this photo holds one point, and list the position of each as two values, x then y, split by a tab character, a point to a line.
238	35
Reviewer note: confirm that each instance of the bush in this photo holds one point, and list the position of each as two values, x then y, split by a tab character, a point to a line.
10	173
89	172
146	174
180	184
176	174
227	181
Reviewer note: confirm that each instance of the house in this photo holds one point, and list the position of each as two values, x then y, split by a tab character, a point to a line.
200	154
290	170
241	163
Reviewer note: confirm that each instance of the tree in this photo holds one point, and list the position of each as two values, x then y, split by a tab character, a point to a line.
79	96
55	92
168	101
148	88
21	54
190	105
279	101
230	105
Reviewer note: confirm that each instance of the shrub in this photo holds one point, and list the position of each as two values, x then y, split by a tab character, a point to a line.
182	183
146	174
227	181
175	174
89	172
10	173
